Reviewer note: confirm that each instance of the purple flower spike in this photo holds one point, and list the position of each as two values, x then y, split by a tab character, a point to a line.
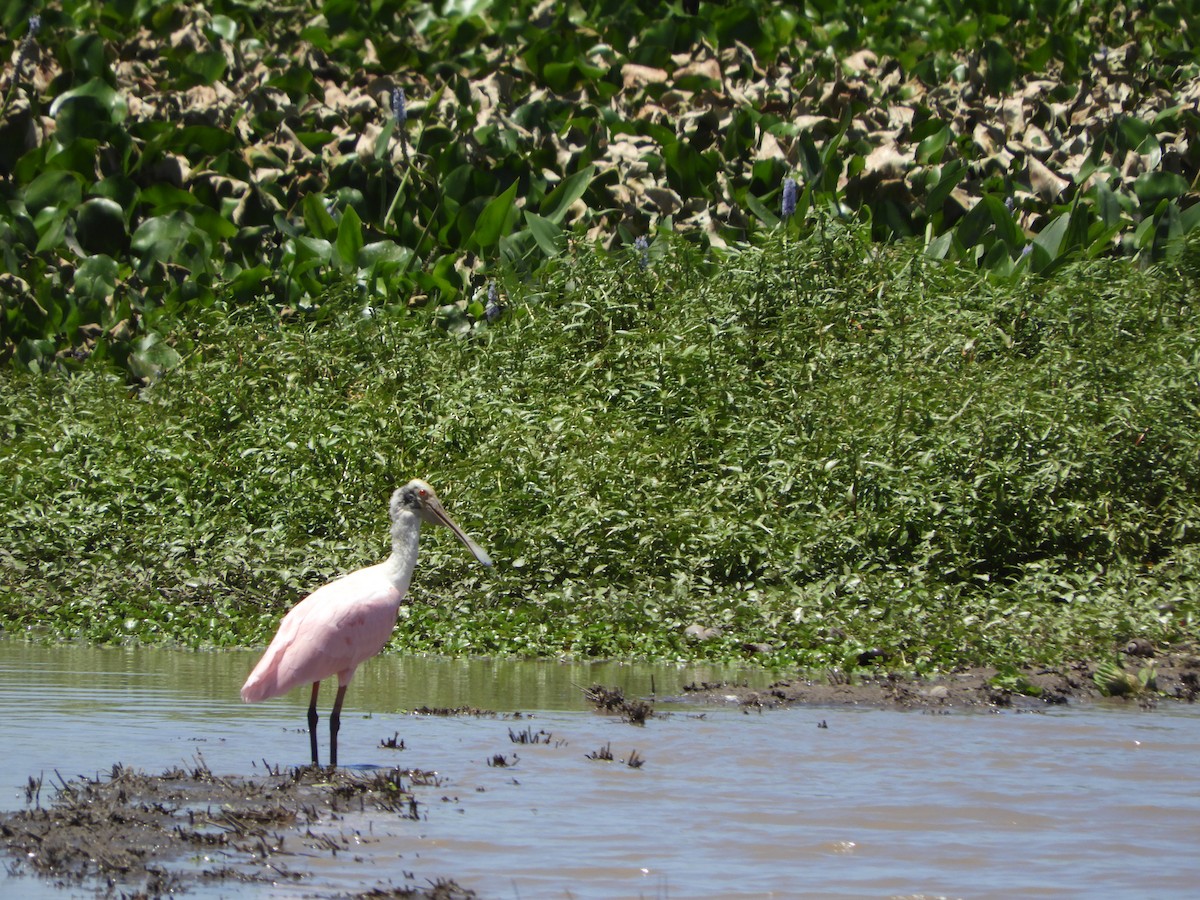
789	197
399	106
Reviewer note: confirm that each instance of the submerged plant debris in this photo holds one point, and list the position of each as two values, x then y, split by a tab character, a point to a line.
162	834
613	700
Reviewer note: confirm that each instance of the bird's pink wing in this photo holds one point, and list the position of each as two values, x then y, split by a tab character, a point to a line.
330	632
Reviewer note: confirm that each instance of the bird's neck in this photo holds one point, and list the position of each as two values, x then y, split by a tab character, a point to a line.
406	529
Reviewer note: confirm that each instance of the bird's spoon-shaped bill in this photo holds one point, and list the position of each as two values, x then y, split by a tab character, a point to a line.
440	516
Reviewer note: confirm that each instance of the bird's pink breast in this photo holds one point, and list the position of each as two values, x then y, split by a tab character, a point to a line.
330	632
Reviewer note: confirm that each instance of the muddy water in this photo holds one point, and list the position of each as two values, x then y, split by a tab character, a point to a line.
1097	801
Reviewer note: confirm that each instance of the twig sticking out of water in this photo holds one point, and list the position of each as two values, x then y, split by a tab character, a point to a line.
529	736
605	754
33	791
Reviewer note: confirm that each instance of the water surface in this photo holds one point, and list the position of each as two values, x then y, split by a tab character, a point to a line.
1097	801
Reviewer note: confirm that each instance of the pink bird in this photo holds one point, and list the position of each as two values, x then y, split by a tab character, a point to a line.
338	626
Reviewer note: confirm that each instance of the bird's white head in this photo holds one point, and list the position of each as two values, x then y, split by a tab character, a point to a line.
419	499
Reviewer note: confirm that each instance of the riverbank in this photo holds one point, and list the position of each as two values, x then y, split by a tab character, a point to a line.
1166	675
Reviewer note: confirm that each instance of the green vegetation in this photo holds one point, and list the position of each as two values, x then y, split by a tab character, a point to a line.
943	412
821	444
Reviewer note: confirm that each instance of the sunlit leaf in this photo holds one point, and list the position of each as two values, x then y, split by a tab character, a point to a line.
495	220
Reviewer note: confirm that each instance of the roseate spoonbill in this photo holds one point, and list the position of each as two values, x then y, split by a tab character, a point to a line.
338	626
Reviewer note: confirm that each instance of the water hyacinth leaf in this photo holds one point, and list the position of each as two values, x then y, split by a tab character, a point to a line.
1048	245
689	172
384	252
160	238
196	140
951	174
317	217
163	198
1132	132
213	223
224	27
495	220
100	226
311	251
349	238
570	189
96	94
99	90
1189	219
545	232
1143	235
96	278
250	283
205	68
1106	203
1001	68
932	148
87	55
53	188
51	225
939	247
760	209
298	83
1151	187
990	216
315	140
384	140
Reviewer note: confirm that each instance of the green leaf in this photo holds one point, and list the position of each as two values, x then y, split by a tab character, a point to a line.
1151	187
100	226
83	118
96	278
205	68
1001	68
931	149
495	220
53	188
349	238
151	357
224	27
1047	246
249	283
570	189
545	232
317	217
159	239
383	252
952	173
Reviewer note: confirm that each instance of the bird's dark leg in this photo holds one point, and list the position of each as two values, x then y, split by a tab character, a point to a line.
335	722
312	722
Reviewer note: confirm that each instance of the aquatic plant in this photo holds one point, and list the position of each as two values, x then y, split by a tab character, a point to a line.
254	153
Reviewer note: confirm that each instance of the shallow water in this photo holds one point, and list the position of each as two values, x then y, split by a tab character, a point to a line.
1095	801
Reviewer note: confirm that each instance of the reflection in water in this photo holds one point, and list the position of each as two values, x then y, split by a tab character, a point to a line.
1076	802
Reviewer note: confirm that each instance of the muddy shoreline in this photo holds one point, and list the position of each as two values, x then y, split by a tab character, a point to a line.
131	834
1141	675
136	835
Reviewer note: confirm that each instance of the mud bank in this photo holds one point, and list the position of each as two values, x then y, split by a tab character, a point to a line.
1141	675
136	835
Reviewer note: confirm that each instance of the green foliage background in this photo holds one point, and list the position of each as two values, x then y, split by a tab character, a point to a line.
822	445
242	302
